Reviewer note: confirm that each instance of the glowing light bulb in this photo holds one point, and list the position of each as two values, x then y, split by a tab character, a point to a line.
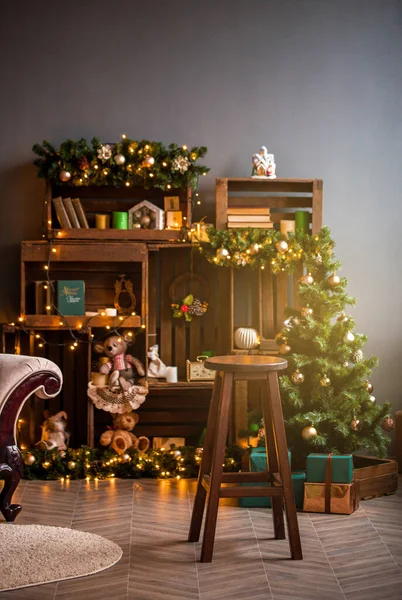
168	186
184	147
127	183
37	336
48	307
123	136
49	222
54	250
46	268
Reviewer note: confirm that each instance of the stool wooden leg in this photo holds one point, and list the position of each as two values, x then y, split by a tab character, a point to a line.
217	469
272	462
206	461
288	494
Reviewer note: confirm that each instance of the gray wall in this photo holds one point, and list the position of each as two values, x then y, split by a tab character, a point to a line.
317	81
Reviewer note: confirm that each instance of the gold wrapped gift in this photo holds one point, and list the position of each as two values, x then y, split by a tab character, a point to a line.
342	499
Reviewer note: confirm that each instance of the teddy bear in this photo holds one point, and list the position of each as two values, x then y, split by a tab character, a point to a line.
54	434
124	368
120	437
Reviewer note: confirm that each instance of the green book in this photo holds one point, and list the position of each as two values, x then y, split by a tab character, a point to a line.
71	297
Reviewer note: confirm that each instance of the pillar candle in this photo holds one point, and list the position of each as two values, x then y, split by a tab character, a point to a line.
288	226
120	220
171	374
102	221
302	220
111	312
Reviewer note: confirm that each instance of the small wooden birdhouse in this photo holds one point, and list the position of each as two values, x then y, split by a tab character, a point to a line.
146	215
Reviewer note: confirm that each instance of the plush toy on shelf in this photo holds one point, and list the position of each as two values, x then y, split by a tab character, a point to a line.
54	434
120	438
125	370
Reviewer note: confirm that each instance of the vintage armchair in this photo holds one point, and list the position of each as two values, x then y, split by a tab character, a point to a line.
20	377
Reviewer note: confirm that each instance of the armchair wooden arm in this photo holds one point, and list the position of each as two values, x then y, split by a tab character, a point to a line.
20	377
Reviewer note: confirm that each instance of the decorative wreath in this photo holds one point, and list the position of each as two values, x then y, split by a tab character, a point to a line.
189	307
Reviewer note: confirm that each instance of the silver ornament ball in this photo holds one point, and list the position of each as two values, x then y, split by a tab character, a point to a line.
119	159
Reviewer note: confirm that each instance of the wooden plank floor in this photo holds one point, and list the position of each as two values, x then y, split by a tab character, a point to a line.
346	557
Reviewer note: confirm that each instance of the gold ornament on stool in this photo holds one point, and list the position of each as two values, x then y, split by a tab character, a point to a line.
297	377
309	433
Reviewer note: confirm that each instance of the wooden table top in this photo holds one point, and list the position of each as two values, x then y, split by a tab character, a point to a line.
250	363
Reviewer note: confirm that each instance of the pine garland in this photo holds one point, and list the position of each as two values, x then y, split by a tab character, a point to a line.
129	162
92	463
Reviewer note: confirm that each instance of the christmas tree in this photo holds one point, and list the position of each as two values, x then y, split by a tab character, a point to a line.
326	392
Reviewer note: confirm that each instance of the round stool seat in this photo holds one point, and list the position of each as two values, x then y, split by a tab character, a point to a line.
245	362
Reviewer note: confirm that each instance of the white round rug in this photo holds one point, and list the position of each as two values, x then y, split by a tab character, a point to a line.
35	554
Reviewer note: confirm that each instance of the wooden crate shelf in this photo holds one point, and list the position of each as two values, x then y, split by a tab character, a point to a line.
53	322
283	196
140	235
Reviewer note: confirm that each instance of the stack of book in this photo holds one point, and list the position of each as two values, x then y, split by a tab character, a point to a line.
249	217
70	212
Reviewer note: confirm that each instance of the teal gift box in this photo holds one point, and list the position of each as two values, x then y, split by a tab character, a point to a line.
71	297
258	462
342	468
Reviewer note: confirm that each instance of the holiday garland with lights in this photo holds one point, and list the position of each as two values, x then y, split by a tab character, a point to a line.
127	163
326	393
91	463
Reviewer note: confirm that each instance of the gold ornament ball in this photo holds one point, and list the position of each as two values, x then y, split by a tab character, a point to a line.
388	424
372	398
71	465
282	246
148	161
46	464
119	159
334	280
325	381
309	433
370	387
222	253
29	459
355	424
145	221
307	279
125	457
254	248
297	377
306	311
284	349
349	337
65	175
345	364
177	453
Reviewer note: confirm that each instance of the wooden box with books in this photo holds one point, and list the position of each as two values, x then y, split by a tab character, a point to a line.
82	212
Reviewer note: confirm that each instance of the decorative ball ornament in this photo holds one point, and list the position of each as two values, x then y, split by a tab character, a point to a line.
325	381
125	457
254	248
284	349
357	356
370	387
345	364
348	337
145	221
355	424
119	159
297	377
306	311
148	161
46	464
65	175
307	279
372	399
29	459
71	465
334	280
309	433
282	246
388	424
222	253
246	338
177	453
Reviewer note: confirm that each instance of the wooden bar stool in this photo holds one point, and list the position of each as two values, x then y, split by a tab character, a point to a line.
211	476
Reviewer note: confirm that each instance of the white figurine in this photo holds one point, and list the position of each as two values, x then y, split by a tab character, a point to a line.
264	164
156	367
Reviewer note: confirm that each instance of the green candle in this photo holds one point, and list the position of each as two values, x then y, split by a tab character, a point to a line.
120	220
302	220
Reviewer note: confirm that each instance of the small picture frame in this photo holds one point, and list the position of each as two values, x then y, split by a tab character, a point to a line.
173	219
172	202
